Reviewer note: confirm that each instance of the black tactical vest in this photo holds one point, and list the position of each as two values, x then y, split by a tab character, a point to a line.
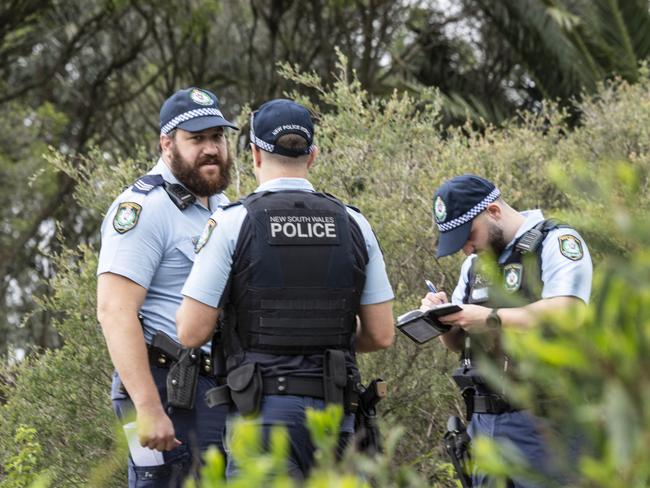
520	283
297	276
521	274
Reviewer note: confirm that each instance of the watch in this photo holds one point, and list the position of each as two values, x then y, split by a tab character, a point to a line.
493	321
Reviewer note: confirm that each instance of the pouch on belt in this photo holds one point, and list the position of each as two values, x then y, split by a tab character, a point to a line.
334	376
245	384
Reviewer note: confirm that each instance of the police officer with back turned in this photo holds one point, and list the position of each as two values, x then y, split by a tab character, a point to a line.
146	254
301	282
544	266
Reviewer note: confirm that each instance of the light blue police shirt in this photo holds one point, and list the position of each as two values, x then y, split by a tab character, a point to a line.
213	263
561	276
158	252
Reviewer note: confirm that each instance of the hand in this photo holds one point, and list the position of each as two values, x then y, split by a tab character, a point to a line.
431	300
472	318
156	431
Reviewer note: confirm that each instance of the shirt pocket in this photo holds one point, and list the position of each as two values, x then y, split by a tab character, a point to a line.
186	249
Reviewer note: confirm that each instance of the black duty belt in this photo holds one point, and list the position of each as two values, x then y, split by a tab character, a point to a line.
166	357
293	385
286	385
493	404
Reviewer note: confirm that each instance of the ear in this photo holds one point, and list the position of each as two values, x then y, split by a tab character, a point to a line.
312	156
257	155
494	211
165	142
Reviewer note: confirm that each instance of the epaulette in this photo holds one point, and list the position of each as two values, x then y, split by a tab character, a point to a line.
146	183
228	205
178	194
356	209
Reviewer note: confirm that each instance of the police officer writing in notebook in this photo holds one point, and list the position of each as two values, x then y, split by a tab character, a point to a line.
146	254
301	280
544	264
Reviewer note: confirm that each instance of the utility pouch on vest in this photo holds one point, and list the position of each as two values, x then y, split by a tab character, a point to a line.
246	390
334	376
182	379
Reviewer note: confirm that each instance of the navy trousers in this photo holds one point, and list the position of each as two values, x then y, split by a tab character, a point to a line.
197	429
529	435
289	411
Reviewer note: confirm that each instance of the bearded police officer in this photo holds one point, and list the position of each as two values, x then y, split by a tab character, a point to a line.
545	267
301	280
148	240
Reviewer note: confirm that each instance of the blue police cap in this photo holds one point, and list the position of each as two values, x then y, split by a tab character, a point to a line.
278	117
192	109
456	203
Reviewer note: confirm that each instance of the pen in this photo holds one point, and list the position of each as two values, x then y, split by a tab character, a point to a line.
431	287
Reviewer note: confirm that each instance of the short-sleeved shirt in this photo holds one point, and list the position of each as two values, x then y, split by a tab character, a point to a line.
213	264
561	276
158	252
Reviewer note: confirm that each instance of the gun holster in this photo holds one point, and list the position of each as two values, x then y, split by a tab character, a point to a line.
245	385
456	442
182	379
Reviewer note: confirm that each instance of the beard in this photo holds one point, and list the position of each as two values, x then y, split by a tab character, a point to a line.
189	174
496	241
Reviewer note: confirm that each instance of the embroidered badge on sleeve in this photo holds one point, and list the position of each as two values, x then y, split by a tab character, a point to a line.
126	217
205	235
571	247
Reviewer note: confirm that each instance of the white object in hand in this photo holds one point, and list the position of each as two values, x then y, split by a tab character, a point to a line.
141	456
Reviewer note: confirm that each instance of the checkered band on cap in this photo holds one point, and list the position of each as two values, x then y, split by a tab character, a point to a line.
260	143
471	213
266	146
191	114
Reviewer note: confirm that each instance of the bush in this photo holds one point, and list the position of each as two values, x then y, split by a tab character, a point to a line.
386	157
257	467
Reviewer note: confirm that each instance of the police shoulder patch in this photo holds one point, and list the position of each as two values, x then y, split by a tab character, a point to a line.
126	216
205	235
571	247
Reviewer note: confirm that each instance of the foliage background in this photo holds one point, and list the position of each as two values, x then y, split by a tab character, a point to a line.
403	105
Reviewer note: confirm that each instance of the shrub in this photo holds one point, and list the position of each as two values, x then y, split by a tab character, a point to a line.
386	156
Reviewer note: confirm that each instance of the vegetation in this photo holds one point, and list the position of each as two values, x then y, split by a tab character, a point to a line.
415	94
78	75
387	160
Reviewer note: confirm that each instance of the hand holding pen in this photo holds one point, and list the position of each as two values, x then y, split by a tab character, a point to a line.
431	286
433	298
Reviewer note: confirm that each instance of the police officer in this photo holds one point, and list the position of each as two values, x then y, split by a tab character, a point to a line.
147	251
301	280
545	267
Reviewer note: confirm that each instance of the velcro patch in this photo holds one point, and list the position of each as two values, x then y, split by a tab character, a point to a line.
302	227
571	247
126	217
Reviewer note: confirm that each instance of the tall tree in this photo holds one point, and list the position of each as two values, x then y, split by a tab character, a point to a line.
492	57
